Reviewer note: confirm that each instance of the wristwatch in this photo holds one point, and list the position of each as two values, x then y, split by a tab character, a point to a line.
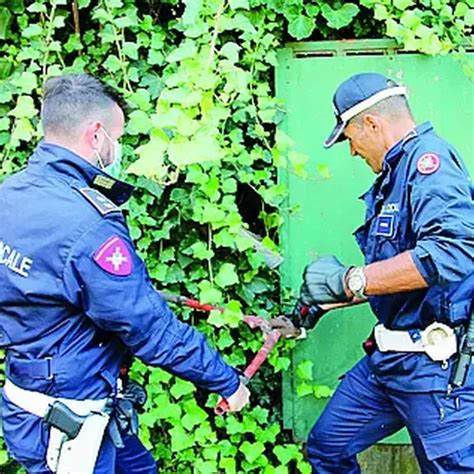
356	282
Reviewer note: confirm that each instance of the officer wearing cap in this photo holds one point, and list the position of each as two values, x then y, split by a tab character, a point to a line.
418	277
75	298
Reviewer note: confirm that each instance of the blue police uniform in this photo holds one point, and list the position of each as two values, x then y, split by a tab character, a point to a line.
421	202
69	310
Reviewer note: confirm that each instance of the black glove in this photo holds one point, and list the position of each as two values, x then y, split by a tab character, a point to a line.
133	397
135	393
306	316
323	282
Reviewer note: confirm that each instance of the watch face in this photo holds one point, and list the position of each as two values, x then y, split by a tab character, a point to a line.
356	283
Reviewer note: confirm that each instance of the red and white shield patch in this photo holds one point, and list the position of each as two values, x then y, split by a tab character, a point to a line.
428	163
114	257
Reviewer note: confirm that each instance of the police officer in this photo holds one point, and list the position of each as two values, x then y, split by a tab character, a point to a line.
75	297
418	243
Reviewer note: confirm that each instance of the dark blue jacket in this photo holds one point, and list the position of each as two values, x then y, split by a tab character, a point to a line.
422	202
67	320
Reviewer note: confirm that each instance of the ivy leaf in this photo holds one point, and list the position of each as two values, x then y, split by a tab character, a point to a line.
304	371
234	4
225	340
322	391
139	122
231	51
200	148
25	107
112	63
201	251
182	387
252	451
301	26
187	49
227	275
150	164
403	4
298	161
130	49
228	464
323	170
180	439
195	415
286	453
410	19
461	9
212	213
5	21
27	82
217	319
304	389
380	12
209	294
32	30
23	131
339	18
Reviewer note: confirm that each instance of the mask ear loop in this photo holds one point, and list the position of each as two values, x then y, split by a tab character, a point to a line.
101	162
99	158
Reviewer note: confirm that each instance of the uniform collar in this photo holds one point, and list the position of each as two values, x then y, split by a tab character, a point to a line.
392	155
391	159
73	168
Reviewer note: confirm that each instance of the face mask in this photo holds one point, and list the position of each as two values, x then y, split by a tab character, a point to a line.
115	167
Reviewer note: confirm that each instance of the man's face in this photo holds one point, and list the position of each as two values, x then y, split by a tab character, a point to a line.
366	140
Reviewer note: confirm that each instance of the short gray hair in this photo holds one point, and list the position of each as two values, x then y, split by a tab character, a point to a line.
70	99
392	108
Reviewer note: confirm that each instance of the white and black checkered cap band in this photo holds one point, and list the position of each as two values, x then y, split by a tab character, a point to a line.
372	100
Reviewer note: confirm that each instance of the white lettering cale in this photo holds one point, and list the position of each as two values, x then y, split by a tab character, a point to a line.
14	260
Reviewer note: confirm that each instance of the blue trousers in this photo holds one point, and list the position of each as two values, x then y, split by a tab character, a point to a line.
362	412
26	437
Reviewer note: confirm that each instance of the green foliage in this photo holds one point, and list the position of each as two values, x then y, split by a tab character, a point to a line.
198	77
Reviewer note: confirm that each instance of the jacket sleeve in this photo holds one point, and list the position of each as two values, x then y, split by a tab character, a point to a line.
106	279
442	209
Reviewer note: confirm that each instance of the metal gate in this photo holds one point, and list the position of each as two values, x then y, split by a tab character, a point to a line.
329	211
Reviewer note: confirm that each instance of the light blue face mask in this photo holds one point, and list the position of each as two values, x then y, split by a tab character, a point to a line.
115	168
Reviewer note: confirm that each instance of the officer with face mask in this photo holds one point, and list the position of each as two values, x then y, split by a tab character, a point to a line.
418	277
76	299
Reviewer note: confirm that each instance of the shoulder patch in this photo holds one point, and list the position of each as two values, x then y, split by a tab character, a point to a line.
428	163
99	201
114	257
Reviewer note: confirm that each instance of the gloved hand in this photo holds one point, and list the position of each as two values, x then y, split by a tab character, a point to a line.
239	398
323	282
306	316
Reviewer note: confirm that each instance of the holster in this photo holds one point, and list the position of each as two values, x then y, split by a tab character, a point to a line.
74	441
78	454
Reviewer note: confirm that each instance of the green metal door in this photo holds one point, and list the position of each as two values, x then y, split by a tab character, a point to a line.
329	211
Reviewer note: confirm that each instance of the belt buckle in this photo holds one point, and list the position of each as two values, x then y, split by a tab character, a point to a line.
49	361
439	341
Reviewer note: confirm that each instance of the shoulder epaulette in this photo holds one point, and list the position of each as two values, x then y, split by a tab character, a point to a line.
99	201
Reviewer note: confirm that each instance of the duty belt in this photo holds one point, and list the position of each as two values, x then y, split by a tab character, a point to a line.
438	341
39	404
76	430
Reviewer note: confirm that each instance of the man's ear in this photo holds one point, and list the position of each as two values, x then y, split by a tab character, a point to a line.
92	134
373	123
